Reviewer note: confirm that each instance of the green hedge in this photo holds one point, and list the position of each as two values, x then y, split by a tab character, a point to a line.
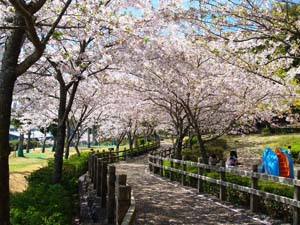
33	144
46	204
269	207
280	130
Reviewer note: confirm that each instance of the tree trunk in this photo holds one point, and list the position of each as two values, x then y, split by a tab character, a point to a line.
7	81
202	150
77	143
54	145
5	110
60	138
44	141
94	135
58	156
68	143
28	141
67	150
178	146
63	112
130	140
118	146
190	141
89	137
135	141
20	146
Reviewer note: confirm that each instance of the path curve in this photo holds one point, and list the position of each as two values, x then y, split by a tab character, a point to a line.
161	202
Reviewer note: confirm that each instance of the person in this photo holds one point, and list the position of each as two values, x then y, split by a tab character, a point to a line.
212	160
289	149
232	159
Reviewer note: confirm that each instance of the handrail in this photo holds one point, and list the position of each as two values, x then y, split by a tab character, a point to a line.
244	173
156	166
112	189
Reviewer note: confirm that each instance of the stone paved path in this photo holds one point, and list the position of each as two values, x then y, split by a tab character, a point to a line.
161	202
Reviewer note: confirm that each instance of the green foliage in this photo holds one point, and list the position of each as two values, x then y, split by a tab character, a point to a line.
265	131
217	146
191	154
48	203
57	35
13	144
45	203
280	130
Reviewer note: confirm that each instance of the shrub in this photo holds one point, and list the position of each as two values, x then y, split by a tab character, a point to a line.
14	144
46	203
217	146
265	131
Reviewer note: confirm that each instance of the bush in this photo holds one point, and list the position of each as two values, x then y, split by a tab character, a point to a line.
265	131
46	203
217	146
14	144
42	204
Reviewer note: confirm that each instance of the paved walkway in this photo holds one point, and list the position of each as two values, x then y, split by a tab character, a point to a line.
161	202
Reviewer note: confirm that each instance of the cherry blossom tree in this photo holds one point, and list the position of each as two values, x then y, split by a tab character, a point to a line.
22	44
87	111
214	95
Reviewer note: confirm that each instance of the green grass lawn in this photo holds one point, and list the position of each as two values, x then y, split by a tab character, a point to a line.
22	166
36	158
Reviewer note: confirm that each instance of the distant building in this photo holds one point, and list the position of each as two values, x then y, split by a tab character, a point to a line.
35	134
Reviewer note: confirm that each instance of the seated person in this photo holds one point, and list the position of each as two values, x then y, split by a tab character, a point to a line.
232	159
212	160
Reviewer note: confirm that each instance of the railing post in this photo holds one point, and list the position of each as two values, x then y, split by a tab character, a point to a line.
99	176
222	178
296	210
111	202
199	180
120	181
172	166
103	184
161	164
123	203
183	169
253	197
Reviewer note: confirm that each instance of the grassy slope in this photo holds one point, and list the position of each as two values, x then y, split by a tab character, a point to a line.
21	167
253	145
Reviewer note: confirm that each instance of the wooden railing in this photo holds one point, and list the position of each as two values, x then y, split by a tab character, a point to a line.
114	156
114	194
156	165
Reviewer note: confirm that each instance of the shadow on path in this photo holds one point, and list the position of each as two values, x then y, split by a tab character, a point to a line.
160	202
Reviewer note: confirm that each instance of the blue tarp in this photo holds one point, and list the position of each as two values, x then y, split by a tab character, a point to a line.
270	164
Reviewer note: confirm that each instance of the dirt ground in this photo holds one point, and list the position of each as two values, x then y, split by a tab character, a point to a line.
17	179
